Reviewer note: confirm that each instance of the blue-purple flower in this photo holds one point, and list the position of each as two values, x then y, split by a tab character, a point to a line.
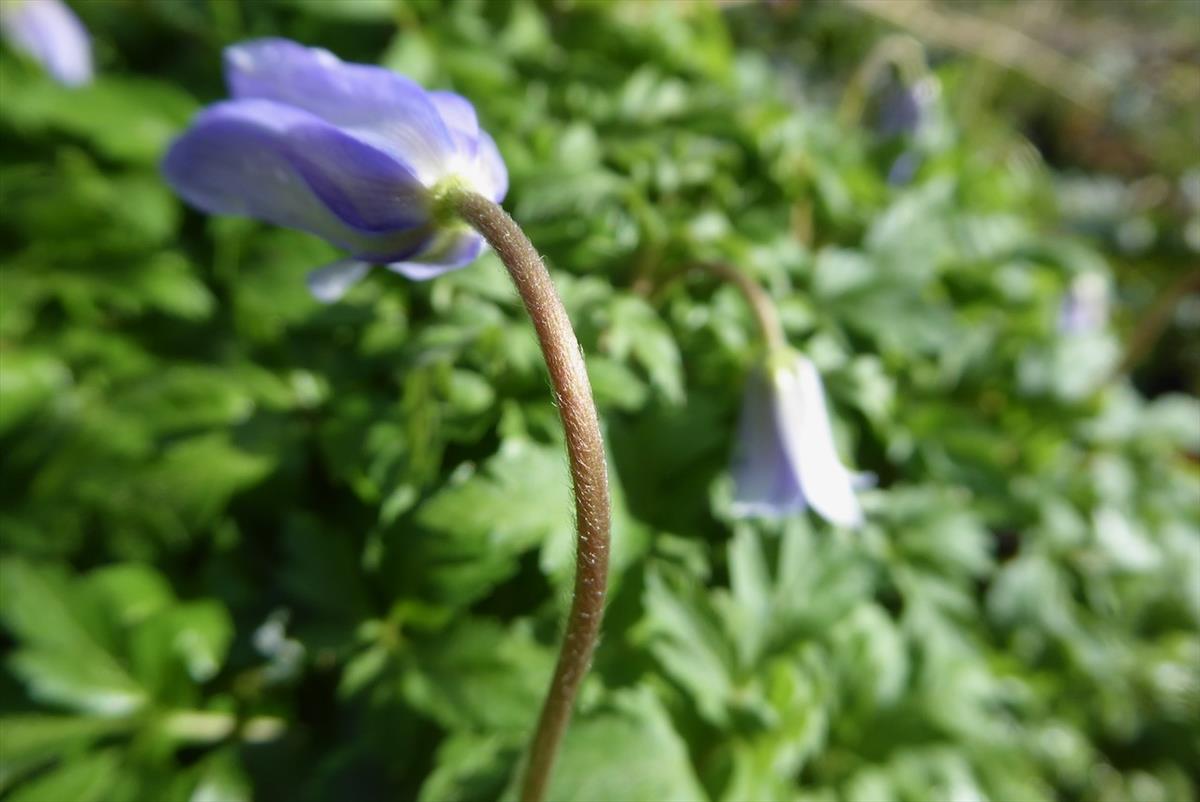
904	108
903	113
786	459
49	32
356	154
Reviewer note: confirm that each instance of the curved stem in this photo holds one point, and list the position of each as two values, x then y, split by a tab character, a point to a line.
1008	47
589	472
760	302
1155	321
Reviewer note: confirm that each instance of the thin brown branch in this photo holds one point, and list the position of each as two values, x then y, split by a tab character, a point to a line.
589	474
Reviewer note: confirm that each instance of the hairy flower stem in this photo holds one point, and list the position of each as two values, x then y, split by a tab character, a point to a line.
760	302
589	472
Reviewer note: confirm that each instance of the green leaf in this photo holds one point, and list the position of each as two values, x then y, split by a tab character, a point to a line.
130	119
509	502
222	780
637	333
873	661
185	397
181	646
750	583
818	580
65	655
28	381
484	520
134	592
627	751
470	768
356	10
478	676
202	634
80	679
89	778
167	282
616	385
688	640
1173	419
197	476
30	740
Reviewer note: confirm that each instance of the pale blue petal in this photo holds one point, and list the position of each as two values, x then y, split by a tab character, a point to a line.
765	483
808	440
490	174
330	283
260	159
376	105
448	251
459	116
50	33
900	112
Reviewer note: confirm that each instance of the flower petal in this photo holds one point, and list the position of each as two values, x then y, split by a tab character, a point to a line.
377	105
268	161
490	175
459	116
50	33
330	283
765	483
808	439
448	250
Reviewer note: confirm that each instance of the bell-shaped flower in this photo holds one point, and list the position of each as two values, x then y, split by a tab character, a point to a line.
49	32
786	459
906	107
355	154
904	112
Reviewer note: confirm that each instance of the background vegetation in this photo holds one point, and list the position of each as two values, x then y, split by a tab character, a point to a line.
256	547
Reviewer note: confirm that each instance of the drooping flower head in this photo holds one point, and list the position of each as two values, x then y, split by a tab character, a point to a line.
356	154
906	107
904	113
49	32
786	459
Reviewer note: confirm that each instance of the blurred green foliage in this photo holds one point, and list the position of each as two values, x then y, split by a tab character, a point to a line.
256	547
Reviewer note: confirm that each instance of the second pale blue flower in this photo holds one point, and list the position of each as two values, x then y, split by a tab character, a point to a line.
786	459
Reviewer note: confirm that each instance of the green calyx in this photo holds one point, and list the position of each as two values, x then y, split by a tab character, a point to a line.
444	197
779	359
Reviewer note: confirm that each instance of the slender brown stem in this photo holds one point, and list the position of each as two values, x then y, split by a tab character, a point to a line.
760	302
1155	321
998	43
589	472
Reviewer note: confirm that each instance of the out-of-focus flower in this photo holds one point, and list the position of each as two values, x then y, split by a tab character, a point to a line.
904	168
904	107
899	112
49	32
355	154
1084	308
786	459
903	110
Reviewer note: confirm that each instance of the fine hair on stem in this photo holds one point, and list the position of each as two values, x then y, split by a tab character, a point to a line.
589	473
